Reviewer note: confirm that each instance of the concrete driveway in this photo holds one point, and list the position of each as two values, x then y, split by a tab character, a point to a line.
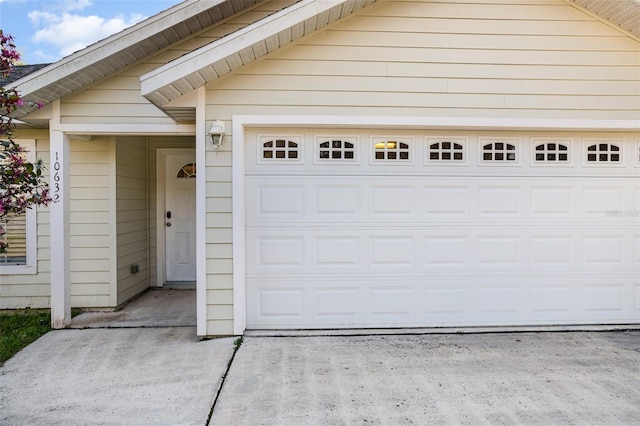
167	376
565	378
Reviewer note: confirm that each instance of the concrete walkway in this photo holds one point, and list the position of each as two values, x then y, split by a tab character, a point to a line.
579	378
133	376
155	308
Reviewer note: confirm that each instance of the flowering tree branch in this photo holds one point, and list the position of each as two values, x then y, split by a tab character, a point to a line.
21	182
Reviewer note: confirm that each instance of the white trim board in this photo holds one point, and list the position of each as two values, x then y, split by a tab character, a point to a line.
201	215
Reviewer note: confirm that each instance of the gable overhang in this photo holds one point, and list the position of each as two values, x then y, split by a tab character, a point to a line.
621	14
243	47
119	51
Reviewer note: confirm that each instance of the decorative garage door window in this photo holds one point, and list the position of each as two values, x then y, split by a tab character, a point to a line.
336	150
391	150
446	151
499	151
187	171
603	153
551	152
280	149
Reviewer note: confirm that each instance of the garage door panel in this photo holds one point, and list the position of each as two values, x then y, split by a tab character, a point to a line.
369	200
446	201
334	251
552	297
598	199
496	250
552	201
446	250
499	201
603	250
281	303
279	200
337	303
548	250
603	298
382	302
392	251
392	201
278	252
391	303
337	201
369	250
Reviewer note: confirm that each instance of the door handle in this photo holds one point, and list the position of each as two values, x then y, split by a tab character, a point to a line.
168	223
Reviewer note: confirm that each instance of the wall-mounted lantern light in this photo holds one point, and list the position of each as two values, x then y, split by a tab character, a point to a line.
217	134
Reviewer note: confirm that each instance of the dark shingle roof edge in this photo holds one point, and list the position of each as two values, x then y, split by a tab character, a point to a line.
19	71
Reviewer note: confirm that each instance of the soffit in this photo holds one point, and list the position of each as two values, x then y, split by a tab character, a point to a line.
624	14
243	47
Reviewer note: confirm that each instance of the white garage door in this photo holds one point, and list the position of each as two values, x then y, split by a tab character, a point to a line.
349	229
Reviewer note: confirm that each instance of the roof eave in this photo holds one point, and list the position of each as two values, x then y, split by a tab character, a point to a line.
221	57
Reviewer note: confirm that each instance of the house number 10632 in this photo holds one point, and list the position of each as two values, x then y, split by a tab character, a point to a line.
56	179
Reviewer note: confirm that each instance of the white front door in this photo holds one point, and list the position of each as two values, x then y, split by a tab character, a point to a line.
180	217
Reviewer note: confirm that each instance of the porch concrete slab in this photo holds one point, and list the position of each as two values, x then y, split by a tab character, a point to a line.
162	376
163	307
571	378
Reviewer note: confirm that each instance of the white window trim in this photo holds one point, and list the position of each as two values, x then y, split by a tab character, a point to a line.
31	266
460	140
319	139
568	142
262	138
482	141
603	164
409	140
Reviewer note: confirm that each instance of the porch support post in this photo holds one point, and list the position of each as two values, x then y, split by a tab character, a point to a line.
60	249
201	216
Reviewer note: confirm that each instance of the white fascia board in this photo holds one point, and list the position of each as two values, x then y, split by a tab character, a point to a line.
460	123
112	45
129	129
242	39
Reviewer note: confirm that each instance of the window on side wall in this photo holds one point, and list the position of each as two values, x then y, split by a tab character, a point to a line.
20	232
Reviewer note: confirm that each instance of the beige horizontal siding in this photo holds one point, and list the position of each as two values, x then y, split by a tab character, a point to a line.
90	171
132	216
219	238
448	58
91	174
